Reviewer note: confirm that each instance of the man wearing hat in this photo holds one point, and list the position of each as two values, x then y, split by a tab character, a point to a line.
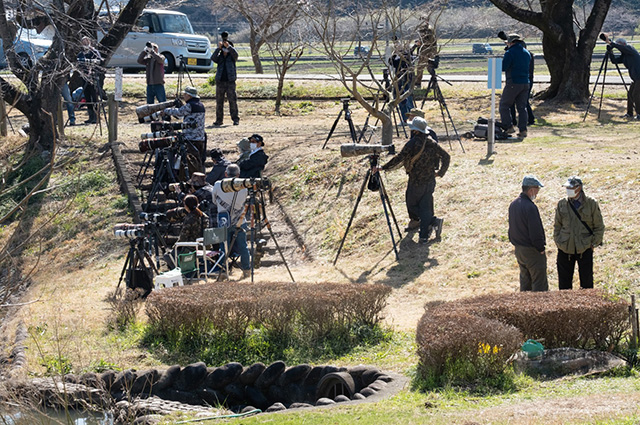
226	56
192	112
515	65
423	160
219	166
527	235
253	166
416	112
631	60
577	229
153	62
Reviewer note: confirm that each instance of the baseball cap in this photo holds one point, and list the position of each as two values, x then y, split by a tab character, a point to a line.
513	37
573	181
257	138
531	181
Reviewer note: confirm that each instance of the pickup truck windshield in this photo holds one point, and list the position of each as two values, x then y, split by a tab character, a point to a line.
175	23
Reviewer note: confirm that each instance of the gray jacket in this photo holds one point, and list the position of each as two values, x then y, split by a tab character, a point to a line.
225	63
569	234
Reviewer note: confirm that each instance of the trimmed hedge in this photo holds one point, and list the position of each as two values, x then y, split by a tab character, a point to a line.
462	330
278	308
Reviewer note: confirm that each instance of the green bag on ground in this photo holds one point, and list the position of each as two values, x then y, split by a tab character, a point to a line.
533	348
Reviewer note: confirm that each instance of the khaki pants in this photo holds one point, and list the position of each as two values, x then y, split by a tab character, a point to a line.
533	269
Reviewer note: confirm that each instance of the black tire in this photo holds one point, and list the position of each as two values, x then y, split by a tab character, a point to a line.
169	63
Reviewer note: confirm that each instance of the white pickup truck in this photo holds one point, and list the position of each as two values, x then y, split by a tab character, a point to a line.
173	34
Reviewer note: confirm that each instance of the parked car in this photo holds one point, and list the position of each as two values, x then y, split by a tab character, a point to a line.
482	49
29	46
173	34
360	51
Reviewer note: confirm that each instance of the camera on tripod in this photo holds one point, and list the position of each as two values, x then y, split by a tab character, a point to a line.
172	126
351	149
152	217
237	184
158	143
154	110
129	231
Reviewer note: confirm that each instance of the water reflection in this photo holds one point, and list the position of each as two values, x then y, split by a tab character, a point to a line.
56	417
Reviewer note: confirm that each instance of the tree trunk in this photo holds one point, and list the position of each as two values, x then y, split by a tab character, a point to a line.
255	45
387	124
569	71
279	92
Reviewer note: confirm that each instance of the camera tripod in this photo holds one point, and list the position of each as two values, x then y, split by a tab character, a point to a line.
255	209
137	274
374	179
347	116
182	70
434	88
163	171
605	62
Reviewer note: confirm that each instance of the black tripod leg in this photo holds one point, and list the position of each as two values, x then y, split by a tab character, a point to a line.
386	195
333	127
352	130
383	199
268	225
125	267
443	105
595	86
395	120
353	214
404	128
364	129
604	77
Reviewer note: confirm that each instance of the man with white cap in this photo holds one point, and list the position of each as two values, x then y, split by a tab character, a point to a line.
527	235
423	160
577	229
631	60
192	112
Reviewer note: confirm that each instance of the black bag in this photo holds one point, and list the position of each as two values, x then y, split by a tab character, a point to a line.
140	278
481	131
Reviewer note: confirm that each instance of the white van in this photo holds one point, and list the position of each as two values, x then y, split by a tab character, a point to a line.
173	34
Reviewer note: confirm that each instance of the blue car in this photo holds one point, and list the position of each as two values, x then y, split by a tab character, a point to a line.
29	45
482	49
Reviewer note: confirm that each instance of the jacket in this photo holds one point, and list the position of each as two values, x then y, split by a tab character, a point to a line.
515	64
253	166
630	58
154	67
525	225
569	233
217	172
422	158
226	64
192	111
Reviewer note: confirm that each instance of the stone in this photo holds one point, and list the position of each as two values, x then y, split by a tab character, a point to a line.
559	362
341	399
251	373
256	397
300	405
145	381
358	396
167	378
323	401
276	407
270	375
247	409
368	392
294	374
223	376
191	377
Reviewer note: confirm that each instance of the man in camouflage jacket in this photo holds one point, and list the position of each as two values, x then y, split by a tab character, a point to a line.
423	160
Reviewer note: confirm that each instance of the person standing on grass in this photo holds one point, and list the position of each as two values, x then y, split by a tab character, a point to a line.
515	65
153	62
226	56
631	59
577	230
527	235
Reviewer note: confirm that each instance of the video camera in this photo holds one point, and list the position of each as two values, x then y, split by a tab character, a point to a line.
235	184
434	62
352	149
502	36
171	126
129	231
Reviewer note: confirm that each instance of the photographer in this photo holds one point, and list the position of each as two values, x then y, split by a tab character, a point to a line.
193	223
226	56
202	190
89	60
219	166
244	149
401	63
230	207
192	112
630	57
154	70
254	165
423	160
515	65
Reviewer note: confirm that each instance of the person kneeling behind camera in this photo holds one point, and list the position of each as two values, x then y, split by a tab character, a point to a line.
199	187
193	223
230	212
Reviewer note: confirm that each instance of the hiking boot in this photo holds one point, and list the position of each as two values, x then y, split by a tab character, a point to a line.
637	117
522	134
510	130
627	117
246	274
423	241
438	226
413	225
217	124
236	123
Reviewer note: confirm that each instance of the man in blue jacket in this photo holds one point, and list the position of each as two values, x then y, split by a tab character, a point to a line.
226	56
631	59
527	235
515	65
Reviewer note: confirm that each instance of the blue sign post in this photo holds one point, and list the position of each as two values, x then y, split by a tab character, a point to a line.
494	81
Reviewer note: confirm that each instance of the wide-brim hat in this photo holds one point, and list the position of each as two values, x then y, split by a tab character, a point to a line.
416	112
197	179
514	37
418	124
191	91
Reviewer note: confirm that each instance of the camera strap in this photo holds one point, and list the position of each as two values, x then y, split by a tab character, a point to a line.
580	218
412	161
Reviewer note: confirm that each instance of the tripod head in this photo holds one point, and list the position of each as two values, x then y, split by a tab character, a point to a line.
374	159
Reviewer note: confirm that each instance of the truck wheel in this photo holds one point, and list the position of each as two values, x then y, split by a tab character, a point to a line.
169	63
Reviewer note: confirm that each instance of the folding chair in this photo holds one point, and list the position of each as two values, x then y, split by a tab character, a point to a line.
214	236
188	263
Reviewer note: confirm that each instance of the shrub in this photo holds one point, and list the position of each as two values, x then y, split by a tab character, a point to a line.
273	316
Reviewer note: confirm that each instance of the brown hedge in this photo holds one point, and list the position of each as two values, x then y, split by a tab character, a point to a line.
278	307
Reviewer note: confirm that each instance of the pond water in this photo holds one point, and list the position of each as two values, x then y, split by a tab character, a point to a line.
56	417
